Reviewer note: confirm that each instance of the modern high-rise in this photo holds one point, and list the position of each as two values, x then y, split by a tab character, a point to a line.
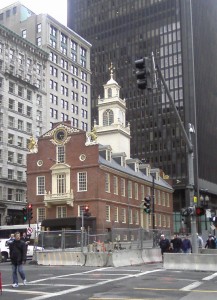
182	36
44	79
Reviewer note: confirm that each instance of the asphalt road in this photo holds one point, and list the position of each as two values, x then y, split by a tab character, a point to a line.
143	282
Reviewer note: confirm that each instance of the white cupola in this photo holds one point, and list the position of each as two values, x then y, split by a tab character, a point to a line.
112	129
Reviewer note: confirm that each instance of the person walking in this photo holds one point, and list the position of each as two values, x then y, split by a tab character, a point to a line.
17	250
199	241
164	244
177	244
186	245
210	243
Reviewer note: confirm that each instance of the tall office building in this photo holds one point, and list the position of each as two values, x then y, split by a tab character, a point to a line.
45	78
22	112
182	35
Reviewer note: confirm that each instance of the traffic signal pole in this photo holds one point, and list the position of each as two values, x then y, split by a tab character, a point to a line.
190	151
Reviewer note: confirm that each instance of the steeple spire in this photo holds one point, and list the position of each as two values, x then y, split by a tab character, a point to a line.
111	69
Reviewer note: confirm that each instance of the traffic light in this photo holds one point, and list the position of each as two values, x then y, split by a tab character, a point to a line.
86	211
30	212
200	211
24	214
143	73
147	205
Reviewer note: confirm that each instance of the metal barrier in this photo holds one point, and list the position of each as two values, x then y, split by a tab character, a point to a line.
110	241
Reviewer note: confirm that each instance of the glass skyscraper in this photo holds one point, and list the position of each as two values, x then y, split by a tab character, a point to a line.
182	36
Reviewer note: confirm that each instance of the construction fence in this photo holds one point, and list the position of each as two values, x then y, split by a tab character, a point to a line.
116	239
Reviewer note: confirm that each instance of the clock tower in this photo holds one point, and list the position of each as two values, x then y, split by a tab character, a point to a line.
112	129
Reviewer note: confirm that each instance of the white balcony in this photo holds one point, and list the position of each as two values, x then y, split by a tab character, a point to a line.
59	199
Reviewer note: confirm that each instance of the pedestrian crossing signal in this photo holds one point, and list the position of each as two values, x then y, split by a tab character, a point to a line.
200	211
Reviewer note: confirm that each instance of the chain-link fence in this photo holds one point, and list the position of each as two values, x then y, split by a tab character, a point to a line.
116	239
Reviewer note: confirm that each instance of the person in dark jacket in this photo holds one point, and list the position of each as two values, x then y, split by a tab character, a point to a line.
18	257
186	245
210	243
177	244
164	244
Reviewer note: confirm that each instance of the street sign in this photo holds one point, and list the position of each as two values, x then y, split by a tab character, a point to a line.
208	213
29	230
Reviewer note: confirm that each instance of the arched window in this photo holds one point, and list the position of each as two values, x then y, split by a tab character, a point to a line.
109	93
108	117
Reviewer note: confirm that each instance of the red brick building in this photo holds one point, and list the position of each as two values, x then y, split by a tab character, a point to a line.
68	173
69	168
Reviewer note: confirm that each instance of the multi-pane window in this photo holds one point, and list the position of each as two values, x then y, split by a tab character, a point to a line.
29	95
10	156
38	41
123	187
61	184
164	221
158	197
11	87
20	108
130	193
123	215
74	96
53	85
73	45
84	113
19	195
83	100
115	185
53	57
10	194
163	199
41	214
83	88
168	221
108	213
74	122
64	104
159	220
136	217
82	181
29	127
107	182
10	121
29	111
20	124
20	91
60	154
19	175
136	191
64	64
168	199
53	31
19	158
61	212
20	58
10	138
53	71
20	141
74	70
74	83
10	174
115	214
84	76
40	185
53	113
53	99
84	126
108	117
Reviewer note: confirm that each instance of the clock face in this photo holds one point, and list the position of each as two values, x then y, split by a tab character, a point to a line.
60	135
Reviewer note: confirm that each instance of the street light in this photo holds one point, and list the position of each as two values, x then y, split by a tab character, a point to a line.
204	201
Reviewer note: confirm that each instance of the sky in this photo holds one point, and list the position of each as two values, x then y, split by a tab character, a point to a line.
55	8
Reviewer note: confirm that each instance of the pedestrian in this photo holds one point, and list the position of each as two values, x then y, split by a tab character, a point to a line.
18	258
11	239
199	241
210	243
177	244
164	244
26	240
186	245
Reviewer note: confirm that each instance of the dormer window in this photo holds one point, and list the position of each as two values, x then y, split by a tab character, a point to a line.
108	155
108	117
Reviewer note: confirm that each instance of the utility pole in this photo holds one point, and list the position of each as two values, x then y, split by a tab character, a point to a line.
144	75
190	151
